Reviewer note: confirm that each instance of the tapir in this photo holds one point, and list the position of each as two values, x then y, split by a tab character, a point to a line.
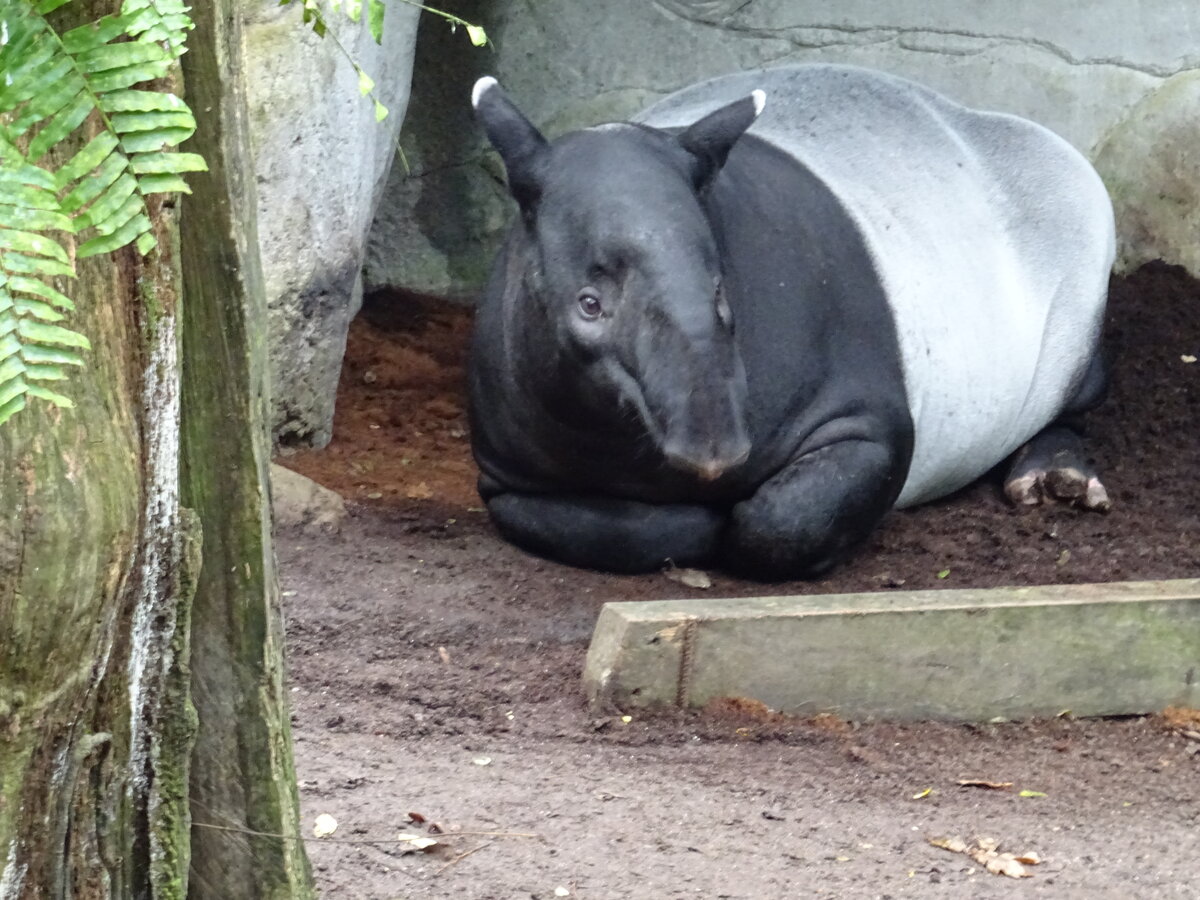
740	328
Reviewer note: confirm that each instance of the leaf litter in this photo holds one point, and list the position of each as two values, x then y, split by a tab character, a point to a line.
986	852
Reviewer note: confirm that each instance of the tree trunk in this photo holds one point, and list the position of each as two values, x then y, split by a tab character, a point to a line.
109	621
242	775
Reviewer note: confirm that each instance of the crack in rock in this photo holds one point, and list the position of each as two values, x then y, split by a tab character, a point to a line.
720	14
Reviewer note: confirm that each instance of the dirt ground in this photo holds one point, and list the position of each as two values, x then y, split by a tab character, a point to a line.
435	670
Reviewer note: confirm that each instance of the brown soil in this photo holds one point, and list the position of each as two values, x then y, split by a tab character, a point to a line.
421	644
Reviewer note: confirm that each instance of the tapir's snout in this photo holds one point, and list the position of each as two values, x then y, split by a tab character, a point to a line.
711	466
710	438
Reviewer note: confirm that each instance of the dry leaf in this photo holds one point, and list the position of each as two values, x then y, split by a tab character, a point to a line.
416	818
324	826
444	654
953	844
482	760
985	852
693	578
980	783
419	491
412	842
561	891
1188	358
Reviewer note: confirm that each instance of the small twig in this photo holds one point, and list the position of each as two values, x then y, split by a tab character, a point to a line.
462	856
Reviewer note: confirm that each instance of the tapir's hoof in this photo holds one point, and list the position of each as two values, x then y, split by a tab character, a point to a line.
1066	485
1051	468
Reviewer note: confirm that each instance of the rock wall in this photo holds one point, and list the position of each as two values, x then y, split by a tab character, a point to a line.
321	162
1105	75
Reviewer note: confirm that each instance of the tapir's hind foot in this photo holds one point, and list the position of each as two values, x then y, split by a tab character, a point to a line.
1053	467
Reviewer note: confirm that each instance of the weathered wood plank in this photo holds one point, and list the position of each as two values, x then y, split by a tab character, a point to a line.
972	655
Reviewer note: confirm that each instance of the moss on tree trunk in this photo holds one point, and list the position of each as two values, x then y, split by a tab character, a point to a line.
114	610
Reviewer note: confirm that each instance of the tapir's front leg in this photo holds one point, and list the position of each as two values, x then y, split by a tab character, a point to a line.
606	533
809	514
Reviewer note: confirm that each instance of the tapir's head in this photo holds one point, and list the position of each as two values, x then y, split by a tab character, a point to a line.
622	268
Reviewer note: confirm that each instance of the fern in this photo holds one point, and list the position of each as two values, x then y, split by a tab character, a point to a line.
53	86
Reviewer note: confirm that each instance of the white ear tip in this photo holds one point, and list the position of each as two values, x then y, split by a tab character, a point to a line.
760	100
482	86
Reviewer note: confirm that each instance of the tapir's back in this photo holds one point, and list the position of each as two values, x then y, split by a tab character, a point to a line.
992	237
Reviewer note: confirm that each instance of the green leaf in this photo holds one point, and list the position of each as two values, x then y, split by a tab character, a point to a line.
129	232
29	81
86	160
109	203
354	10
31	243
14	406
140	101
96	184
27	196
65	121
133	206
163	163
146	243
381	111
123	55
129	76
375	19
39	310
25	174
27	285
10	368
50	396
147	141
14	388
477	35
43	333
163	184
34	372
35	353
19	262
45	104
94	34
28	219
128	122
365	83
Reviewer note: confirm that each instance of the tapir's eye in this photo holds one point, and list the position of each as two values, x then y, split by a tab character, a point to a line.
589	304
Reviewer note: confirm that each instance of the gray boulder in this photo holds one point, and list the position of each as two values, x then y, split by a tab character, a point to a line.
299	502
1150	165
321	161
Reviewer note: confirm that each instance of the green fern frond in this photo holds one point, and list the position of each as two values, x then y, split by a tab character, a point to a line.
54	85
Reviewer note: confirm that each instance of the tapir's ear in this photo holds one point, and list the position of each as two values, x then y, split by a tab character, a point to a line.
515	138
710	139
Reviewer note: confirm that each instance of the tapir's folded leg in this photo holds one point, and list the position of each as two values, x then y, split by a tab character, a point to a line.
808	515
606	533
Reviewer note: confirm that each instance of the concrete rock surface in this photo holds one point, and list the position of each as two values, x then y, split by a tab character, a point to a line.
1077	71
321	161
1150	165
